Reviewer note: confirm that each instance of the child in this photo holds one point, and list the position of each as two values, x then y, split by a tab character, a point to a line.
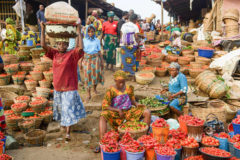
68	107
92	61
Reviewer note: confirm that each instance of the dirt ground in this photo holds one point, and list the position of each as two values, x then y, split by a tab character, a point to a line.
85	134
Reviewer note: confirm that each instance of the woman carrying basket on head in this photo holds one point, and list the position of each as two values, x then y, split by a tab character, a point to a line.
68	107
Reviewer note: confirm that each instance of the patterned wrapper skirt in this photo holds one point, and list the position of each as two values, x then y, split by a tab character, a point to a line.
93	72
128	55
113	118
110	45
177	102
68	108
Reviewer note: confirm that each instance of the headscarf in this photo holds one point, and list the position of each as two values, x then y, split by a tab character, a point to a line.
120	75
110	14
10	21
86	34
92	19
95	13
177	33
62	40
175	65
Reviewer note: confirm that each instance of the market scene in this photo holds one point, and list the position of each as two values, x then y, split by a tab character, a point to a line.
119	80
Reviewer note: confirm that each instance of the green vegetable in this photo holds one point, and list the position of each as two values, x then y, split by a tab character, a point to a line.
151	102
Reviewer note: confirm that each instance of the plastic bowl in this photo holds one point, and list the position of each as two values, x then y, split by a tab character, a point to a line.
211	157
27	114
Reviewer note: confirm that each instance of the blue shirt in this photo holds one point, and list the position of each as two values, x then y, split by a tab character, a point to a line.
91	46
1	61
40	15
177	84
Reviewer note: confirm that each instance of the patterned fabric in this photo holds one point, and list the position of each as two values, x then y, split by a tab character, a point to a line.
129	30
110	45
92	44
113	92
113	118
122	102
68	108
29	35
178	102
129	59
93	72
177	42
12	36
2	117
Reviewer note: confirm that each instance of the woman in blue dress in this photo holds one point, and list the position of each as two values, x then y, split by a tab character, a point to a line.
177	89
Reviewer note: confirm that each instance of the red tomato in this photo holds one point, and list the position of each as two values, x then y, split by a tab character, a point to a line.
168	151
210	141
216	152
161	123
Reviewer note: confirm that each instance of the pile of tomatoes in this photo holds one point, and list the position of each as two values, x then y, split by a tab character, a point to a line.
160	123
23	98
126	139
173	143
5	157
235	138
148	142
237	145
195	122
3	75
222	135
13	116
190	142
46	113
134	147
168	151
36	102
194	158
110	137
216	152
111	147
236	120
210	141
185	118
177	134
133	126
18	106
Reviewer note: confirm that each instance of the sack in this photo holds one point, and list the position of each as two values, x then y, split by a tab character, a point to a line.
213	125
61	12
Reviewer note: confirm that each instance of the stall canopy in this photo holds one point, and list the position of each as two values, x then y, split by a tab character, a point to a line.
186	9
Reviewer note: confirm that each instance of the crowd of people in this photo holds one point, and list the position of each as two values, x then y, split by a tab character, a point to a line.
93	52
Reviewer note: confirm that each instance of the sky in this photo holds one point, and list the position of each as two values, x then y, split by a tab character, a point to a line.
143	7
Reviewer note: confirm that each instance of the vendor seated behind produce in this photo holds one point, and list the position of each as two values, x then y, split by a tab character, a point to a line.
119	104
177	88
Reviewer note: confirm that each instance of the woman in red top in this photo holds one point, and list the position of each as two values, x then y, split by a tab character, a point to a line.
110	40
68	107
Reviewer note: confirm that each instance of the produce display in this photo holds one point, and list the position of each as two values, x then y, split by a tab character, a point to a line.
236	120
173	143
165	151
237	145
5	157
215	152
134	147
126	139
222	135
185	118
210	141
110	137
177	134
190	142
195	122
146	75
194	158
151	102
148	142
161	123
111	147
235	138
133	126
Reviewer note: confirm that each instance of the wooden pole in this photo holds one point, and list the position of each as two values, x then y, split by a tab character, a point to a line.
86	11
22	16
162	20
69	2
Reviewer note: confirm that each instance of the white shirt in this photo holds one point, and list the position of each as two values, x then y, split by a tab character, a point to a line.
128	30
129	27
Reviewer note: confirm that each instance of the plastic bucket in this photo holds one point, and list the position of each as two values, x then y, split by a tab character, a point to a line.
160	134
150	154
135	156
101	147
236	128
236	152
178	155
183	126
123	155
223	143
205	53
29	42
231	148
165	157
4	146
111	156
1	147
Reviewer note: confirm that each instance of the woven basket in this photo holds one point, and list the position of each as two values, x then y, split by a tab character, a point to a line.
187	52
232	13
26	127
12	124
45	84
45	101
35	137
202	76
143	68
26	66
134	134
161	73
36	52
18	79
191	57
25	47
43	92
183	60
5	80
230	112
11	70
231	30
38	121
18	111
38	108
7	98
37	76
42	66
144	80
36	61
23	53
48	76
16	100
195	65
9	59
172	58
195	72
218	90
202	60
150	36
47	118
230	21
30	85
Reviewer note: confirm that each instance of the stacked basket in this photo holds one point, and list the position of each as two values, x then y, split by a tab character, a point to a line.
231	18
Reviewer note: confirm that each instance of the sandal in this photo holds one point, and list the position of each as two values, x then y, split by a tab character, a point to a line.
97	149
67	138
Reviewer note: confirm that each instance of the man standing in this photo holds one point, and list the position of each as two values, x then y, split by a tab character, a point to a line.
40	17
145	26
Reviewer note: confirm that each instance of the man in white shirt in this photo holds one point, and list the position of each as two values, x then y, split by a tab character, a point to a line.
145	26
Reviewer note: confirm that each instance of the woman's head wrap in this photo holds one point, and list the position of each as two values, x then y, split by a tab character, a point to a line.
88	27
175	65
10	21
110	14
120	75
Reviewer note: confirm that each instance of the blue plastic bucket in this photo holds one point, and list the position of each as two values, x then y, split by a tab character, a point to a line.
236	152
231	148
223	143
29	42
111	156
4	146
236	128
178	155
165	157
135	156
205	53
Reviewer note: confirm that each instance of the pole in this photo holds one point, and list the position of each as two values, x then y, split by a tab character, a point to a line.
86	11
162	20
22	16
69	2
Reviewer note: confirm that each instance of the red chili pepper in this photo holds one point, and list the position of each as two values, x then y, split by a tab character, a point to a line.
216	152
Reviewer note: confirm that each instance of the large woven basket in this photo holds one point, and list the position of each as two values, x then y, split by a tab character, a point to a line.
37	108
36	75
36	52
47	118
191	57
196	65
16	99
202	60
11	70
48	76
5	80
44	83
26	127
187	52
26	66
30	85
231	30
184	60
23	53
18	110
144	80
7	98
42	66
134	134
161	72
18	79
195	72
12	124
35	137
43	92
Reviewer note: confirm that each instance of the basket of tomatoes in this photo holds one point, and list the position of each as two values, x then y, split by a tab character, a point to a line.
35	137
21	99
5	157
208	141
4	79
26	125
47	116
12	121
38	106
212	153
18	108
37	119
135	128
189	147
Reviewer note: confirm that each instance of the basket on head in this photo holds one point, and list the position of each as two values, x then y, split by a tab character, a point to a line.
30	84
4	79
35	137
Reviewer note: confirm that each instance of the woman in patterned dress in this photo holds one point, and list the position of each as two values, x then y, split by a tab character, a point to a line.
67	107
93	61
177	88
119	104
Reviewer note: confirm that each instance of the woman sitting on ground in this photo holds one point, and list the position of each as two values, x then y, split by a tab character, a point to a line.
177	88
119	104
